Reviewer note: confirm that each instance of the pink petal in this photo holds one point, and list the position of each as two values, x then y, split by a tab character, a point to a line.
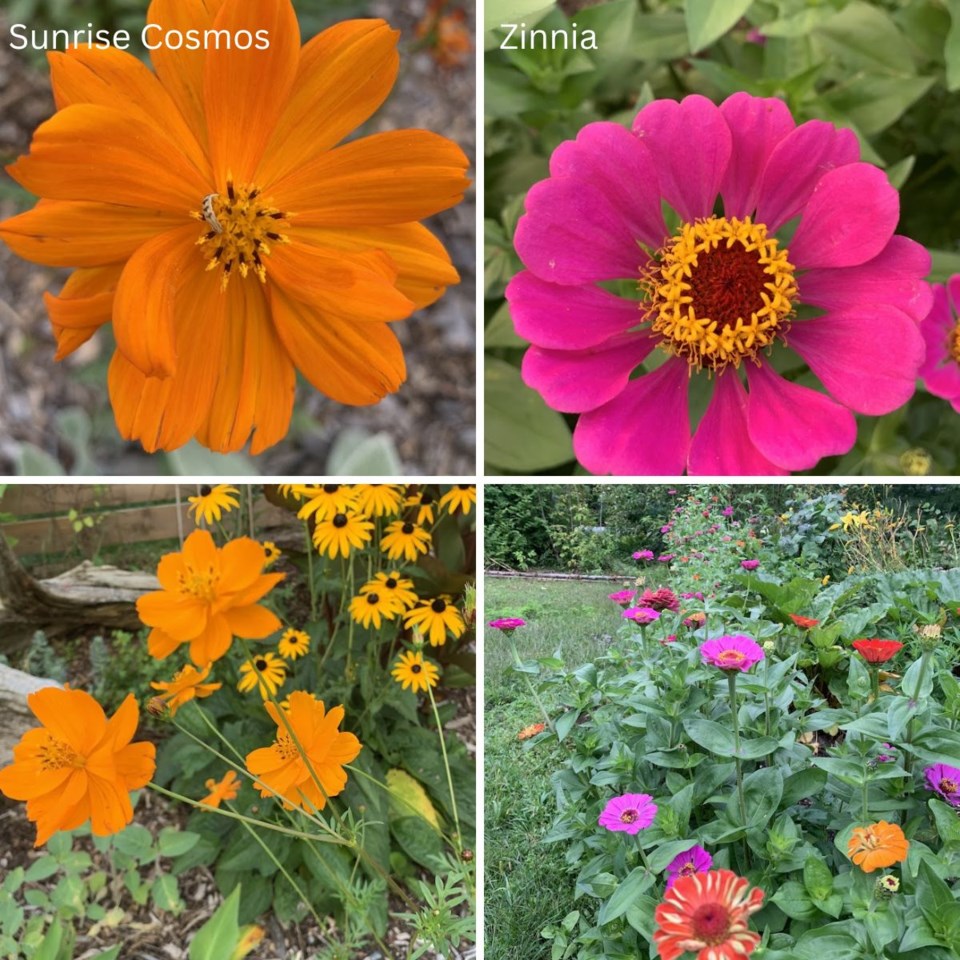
567	318
576	380
794	426
721	446
848	220
614	160
940	372
796	165
953	288
895	277
868	358
757	125
643	432
691	144
572	234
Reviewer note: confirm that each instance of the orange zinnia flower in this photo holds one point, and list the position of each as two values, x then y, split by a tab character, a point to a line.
214	220
186	684
209	596
706	914
281	767
220	790
877	845
78	765
527	732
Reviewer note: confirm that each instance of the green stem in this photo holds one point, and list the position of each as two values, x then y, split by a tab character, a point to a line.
530	687
924	662
732	686
875	682
446	765
766	695
310	583
865	791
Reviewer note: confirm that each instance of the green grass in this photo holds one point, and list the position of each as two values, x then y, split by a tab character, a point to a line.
527	883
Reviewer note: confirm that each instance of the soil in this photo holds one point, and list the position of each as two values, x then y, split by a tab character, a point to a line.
55	416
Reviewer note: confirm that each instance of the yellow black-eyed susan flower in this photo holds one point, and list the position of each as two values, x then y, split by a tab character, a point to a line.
265	672
424	502
342	532
434	618
373	607
293	644
405	539
213	502
378	499
460	498
412	671
329	499
393	584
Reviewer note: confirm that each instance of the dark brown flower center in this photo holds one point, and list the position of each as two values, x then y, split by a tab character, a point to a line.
372	598
416	668
407	528
331	487
390	583
438	605
340	521
261	664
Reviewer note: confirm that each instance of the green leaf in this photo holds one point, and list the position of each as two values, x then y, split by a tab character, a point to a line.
799	786
817	878
40	869
951	49
762	790
634	884
196	461
712	736
945	817
882	927
708	20
793	900
831	942
865	36
356	453
565	724
418	841
174	843
136	841
497	12
216	939
499	331
166	894
522	433
910	684
31	461
60	844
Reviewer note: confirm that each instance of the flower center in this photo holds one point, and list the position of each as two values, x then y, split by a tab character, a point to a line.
731	656
407	529
331	487
372	598
868	839
953	344
688	868
416	668
286	747
949	786
340	521
261	664
629	816
55	755
201	584
390	583
719	292
711	923
241	229
438	606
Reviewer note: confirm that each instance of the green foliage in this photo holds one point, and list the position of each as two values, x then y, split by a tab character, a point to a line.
42	660
119	665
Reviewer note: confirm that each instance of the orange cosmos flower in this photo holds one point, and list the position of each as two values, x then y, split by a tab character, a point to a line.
220	790
877	845
215	222
281	767
186	684
706	914
209	596
78	765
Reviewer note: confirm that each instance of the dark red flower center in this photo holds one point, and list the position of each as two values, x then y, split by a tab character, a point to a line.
629	816
711	923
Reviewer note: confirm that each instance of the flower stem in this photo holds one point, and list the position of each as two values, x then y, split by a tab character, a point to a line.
766	695
864	811
446	765
310	583
530	687
732	685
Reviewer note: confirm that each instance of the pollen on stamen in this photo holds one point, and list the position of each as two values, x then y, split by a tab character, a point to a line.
248	223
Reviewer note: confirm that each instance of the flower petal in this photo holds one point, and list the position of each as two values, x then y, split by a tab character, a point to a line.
85	304
576	380
387	178
691	144
894	277
848	220
71	716
721	445
181	618
241	562
796	165
794	426
620	165
89	152
145	301
571	234
567	318
345	73
940	372
645	431
253	622
356	286
353	363
758	125
853	355
245	91
63	233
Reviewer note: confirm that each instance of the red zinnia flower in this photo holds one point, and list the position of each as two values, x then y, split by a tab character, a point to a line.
706	914
877	651
806	623
663	598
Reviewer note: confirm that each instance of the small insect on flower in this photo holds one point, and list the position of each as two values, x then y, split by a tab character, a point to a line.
208	212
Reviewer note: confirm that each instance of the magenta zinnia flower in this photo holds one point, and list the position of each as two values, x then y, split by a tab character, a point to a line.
732	653
631	812
694	860
663	598
641	615
945	780
749	564
941	369
623	597
719	295
507	624
643	555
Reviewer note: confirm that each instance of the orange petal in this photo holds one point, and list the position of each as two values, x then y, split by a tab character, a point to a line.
115	78
259	588
253	622
353	363
24	781
256	378
200	550
85	304
245	91
169	571
423	265
213	643
136	764
144	306
181	71
72	716
387	178
241	562
89	152
357	285
123	724
63	233
110	807
160	644
345	74
181	618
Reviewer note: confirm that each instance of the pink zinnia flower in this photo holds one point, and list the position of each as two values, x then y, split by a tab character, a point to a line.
507	624
727	511
641	615
694	860
720	295
623	597
732	653
663	598
945	780
643	555
666	528
749	564
665	558
941	369
631	812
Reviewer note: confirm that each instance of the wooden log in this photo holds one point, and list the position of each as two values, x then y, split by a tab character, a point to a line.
17	718
542	575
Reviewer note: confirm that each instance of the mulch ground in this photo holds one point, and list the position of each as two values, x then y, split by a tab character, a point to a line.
50	407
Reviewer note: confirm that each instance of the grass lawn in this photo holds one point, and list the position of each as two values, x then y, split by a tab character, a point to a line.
526	883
